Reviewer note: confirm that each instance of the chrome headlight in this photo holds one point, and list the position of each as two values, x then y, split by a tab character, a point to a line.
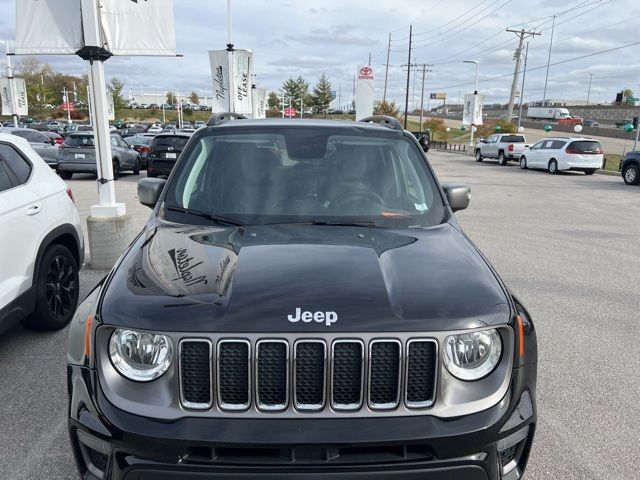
140	356
473	355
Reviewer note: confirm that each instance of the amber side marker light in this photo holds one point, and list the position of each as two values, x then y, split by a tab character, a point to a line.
87	336
520	335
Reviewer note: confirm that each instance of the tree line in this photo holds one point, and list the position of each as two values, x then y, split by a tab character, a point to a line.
298	94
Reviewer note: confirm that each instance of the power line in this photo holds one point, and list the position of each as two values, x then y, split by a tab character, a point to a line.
454	20
467	27
568	60
558	14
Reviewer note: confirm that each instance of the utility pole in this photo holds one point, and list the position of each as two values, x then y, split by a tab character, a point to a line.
406	99
424	76
589	90
514	85
524	76
546	78
386	71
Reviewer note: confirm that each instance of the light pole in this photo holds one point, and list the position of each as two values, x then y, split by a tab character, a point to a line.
12	88
475	99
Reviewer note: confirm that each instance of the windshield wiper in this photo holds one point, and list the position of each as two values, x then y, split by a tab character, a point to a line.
209	216
344	223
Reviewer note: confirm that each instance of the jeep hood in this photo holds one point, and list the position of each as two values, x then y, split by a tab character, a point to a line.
230	279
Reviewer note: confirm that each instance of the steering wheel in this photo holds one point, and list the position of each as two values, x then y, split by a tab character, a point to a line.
349	196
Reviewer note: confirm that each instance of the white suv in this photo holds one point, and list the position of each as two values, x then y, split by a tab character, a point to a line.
41	241
557	154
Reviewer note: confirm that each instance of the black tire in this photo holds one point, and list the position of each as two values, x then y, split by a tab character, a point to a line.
65	175
478	155
502	160
57	289
631	175
116	170
591	171
523	163
552	168
136	167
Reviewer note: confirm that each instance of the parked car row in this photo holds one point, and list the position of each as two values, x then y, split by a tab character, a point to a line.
553	154
168	106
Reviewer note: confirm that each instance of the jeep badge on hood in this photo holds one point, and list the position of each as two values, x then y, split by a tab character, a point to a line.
327	317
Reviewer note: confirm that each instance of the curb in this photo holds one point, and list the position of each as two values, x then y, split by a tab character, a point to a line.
609	173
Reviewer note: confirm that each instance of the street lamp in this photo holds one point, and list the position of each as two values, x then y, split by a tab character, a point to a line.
475	98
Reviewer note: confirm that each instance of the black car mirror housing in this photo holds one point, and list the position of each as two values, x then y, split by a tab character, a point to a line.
149	190
458	195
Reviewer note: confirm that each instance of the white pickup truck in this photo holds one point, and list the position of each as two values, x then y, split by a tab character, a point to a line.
503	146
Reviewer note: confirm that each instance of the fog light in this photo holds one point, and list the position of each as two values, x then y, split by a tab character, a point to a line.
510	449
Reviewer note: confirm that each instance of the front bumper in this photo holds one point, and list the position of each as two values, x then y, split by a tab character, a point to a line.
110	444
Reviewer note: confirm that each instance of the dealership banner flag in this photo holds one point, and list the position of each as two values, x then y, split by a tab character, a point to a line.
472	109
231	92
364	92
111	107
220	74
242	68
131	27
21	107
260	103
48	27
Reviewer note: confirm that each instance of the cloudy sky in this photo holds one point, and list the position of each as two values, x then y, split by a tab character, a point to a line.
308	38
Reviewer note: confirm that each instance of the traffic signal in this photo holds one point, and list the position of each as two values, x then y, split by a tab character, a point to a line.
635	123
619	97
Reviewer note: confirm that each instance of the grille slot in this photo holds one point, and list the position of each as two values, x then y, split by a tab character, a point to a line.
233	374
347	374
422	359
384	374
310	378
272	374
195	373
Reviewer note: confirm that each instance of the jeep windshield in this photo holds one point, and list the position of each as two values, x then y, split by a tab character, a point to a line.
327	176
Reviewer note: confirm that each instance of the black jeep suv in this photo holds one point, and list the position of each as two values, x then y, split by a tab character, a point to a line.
302	304
630	168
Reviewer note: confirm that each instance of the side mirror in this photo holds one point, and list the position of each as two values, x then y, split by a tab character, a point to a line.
149	190
458	195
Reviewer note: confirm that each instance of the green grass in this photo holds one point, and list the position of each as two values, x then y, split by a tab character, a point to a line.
613	162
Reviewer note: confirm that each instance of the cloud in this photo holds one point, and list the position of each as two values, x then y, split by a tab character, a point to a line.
334	36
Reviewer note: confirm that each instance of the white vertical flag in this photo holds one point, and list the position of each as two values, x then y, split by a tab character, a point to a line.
8	108
54	27
260	103
243	102
238	86
472	109
364	92
220	75
111	107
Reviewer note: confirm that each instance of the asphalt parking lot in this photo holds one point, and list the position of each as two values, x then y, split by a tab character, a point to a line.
568	245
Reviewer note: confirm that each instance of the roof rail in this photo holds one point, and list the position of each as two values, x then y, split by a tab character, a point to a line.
385	120
218	118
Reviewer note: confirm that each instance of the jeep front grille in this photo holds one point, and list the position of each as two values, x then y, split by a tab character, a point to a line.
307	375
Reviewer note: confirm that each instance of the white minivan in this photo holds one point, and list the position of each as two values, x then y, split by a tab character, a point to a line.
564	153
